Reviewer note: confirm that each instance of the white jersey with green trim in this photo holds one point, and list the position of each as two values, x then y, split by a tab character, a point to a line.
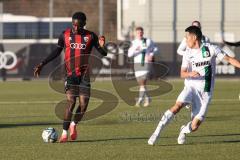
203	61
183	45
140	50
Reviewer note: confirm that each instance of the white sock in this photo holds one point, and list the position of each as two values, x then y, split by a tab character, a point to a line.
187	129
166	118
73	123
64	132
146	94
142	91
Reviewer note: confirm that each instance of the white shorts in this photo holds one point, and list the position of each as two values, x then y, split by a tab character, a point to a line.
141	75
198	99
141	71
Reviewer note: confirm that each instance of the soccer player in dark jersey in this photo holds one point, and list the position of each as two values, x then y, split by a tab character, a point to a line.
77	43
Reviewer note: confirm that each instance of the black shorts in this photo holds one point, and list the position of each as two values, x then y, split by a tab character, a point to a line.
78	85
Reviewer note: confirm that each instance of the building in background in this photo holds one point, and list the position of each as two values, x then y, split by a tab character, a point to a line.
29	28
165	21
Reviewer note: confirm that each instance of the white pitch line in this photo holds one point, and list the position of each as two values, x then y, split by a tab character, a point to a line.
29	102
55	102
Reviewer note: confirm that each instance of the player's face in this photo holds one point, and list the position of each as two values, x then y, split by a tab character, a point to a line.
139	34
77	24
191	40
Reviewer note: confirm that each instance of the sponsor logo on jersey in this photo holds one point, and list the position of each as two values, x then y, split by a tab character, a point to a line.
207	54
204	63
77	46
86	39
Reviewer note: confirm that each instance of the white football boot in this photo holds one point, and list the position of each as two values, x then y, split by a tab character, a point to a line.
182	136
152	139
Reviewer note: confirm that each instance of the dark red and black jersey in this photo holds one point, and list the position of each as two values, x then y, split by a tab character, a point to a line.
78	48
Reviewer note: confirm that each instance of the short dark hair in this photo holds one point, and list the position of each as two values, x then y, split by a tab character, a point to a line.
139	28
79	16
195	30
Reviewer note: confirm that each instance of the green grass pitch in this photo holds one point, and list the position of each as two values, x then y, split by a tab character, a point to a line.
26	108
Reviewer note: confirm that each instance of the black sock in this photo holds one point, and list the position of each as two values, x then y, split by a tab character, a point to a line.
66	125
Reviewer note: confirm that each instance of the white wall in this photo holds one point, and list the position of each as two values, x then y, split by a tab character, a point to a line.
157	19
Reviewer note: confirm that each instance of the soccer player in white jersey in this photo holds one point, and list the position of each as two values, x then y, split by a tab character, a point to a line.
183	45
198	67
143	50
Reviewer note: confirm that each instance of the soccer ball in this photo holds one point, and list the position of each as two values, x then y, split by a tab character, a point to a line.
49	135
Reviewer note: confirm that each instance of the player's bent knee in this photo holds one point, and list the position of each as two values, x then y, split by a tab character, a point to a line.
177	107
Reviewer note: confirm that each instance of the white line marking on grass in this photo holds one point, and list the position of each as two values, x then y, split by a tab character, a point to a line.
55	102
29	102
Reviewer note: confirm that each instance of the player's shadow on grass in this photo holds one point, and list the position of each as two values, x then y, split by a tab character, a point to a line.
213	141
29	124
219	135
146	138
216	135
112	139
222	118
116	139
199	143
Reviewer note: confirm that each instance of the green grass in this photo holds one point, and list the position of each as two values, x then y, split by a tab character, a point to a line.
120	134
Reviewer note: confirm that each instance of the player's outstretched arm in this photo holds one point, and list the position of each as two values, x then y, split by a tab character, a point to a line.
55	53
236	44
49	58
232	61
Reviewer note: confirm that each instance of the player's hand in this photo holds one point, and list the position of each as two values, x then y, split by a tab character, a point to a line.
194	74
150	58
101	41
138	48
37	70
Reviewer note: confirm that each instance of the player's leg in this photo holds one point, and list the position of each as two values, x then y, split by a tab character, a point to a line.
83	103
184	97
71	101
188	128
84	96
142	91
141	85
166	118
147	98
199	110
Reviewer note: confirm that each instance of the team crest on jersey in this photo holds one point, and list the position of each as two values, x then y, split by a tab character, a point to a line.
86	39
207	54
